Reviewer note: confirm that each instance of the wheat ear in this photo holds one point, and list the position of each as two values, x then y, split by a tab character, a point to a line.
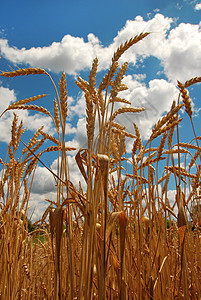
63	97
192	81
122	110
23	101
127	45
185	98
21	72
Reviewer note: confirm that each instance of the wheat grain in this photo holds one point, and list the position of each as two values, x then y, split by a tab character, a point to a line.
33	140
21	72
118	126
33	107
167	117
170	135
193	160
90	117
195	181
49	137
127	45
121	100
116	85
63	97
175	151
161	145
23	101
107	79
20	131
82	84
25	194
137	177
155	134
31	165
166	176
57	148
186	98
35	148
92	76
192	81
27	100
122	110
182	171
188	145
14	132
101	103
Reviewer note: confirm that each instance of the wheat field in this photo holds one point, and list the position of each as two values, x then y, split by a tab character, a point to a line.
121	238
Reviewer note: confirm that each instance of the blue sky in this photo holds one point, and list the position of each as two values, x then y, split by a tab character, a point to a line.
67	35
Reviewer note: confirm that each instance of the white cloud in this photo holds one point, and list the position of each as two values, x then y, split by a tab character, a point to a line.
30	121
72	54
44	187
178	50
181	52
175	48
43	182
6	98
157	98
38	205
198	6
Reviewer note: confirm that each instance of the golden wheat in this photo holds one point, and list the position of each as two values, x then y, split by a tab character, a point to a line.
119	238
22	72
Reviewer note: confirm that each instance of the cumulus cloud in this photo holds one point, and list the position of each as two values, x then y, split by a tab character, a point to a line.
157	98
71	54
173	47
43	182
7	96
30	121
38	205
198	6
177	49
181	55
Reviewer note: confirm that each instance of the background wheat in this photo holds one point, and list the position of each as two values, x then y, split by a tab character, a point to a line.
120	238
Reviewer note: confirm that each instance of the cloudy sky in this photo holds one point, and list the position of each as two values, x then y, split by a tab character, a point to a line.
67	35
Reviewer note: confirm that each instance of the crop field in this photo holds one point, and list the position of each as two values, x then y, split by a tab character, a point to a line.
120	238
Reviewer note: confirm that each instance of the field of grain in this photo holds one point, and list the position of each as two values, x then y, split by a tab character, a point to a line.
121	238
